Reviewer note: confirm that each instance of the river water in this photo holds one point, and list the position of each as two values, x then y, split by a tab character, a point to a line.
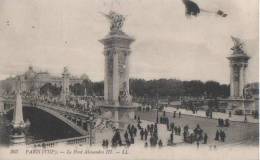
44	127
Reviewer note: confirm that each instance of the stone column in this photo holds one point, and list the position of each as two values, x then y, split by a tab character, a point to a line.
241	80
106	78
115	78
231	81
245	74
127	69
18	112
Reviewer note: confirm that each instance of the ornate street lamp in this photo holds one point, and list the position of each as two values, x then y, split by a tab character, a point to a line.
91	118
157	106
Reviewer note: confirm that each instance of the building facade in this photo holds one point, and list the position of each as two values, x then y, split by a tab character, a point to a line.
33	81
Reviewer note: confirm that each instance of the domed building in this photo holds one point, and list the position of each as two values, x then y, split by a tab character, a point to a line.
33	81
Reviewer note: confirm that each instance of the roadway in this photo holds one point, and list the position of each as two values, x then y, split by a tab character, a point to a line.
237	133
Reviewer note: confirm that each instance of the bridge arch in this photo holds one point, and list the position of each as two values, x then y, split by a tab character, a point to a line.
57	115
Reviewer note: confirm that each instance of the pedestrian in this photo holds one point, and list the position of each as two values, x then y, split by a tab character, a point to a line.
217	135
146	145
205	138
222	136
229	113
179	114
151	141
135	131
148	127
198	143
174	114
142	134
167	123
176	130
245	120
227	123
126	135
103	143
179	130
106	143
145	134
132	140
171	138
151	128
160	143
172	126
219	122
128	127
139	126
222	122
128	143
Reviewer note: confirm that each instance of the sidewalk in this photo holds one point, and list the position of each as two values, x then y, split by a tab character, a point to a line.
215	115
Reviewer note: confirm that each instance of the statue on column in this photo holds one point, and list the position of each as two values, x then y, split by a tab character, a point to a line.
116	21
238	45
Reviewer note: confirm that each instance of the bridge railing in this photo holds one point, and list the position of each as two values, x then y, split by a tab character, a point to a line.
68	141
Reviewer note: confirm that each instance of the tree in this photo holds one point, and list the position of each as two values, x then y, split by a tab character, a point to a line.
193	88
48	88
213	89
7	86
77	89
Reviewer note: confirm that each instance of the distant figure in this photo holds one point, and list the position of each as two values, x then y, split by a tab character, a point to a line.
245	118
126	135
138	118
172	126
229	114
179	130
146	145
160	143
217	135
142	134
205	138
227	123
171	138
222	136
174	114
145	134
103	143
179	114
198	143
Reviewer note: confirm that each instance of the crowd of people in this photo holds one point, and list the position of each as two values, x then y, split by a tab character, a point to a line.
223	123
85	104
220	135
145	108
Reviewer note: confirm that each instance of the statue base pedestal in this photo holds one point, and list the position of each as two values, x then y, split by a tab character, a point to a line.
120	115
17	139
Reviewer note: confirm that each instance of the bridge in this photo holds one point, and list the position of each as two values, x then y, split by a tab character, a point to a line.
78	121
67	141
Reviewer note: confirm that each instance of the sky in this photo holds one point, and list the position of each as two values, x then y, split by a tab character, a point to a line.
51	34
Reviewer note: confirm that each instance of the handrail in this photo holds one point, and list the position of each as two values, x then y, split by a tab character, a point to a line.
68	141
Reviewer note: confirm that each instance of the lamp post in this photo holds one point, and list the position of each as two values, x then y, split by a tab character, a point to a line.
91	118
157	106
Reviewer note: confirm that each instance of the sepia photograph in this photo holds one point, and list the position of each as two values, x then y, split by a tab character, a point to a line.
129	79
